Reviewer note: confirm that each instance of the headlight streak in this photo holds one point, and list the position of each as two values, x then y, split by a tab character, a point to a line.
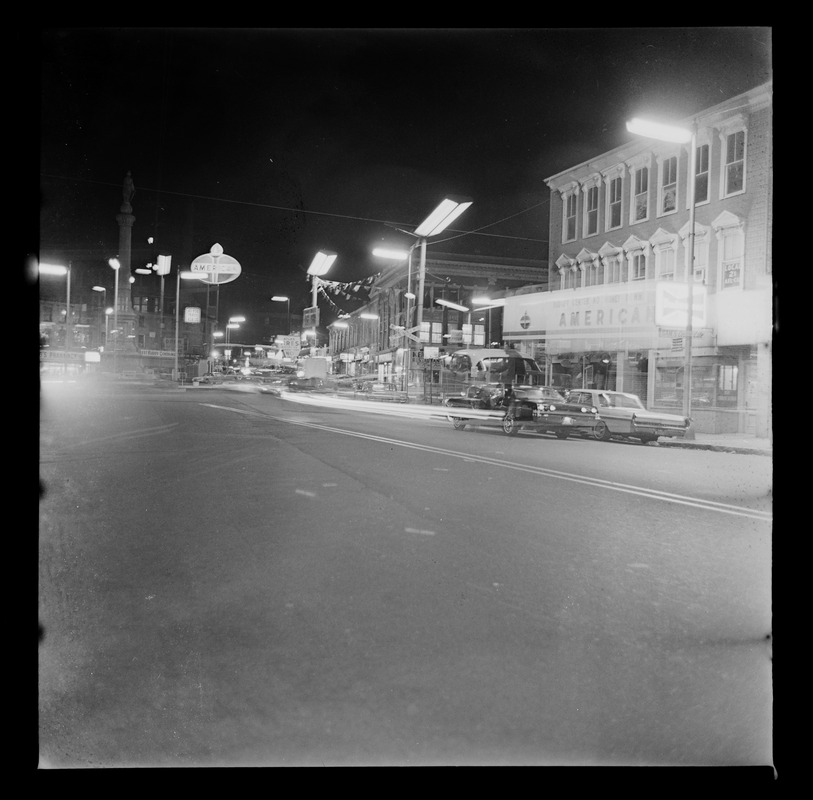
657	494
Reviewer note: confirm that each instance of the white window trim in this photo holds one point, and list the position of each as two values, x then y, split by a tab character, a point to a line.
567	191
702	140
663	241
733	125
609	176
564	264
611	255
634	165
592	182
634	247
701	240
587	260
660	159
728	224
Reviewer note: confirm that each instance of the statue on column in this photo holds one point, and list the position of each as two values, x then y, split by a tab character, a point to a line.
128	190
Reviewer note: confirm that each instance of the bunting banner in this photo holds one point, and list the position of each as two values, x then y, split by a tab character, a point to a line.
343	290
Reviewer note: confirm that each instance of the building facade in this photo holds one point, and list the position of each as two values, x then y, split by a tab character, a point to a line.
382	339
614	313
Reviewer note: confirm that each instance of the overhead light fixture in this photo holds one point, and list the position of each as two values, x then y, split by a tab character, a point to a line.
321	263
384	252
450	304
365	315
443	216
657	130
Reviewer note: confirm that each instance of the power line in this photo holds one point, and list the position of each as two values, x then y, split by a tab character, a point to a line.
478	232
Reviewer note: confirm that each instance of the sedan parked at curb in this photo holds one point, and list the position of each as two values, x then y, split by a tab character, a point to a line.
624	415
516	408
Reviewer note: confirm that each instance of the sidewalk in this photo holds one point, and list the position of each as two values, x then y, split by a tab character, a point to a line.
723	442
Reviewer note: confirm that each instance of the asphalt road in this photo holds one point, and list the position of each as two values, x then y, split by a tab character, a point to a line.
232	579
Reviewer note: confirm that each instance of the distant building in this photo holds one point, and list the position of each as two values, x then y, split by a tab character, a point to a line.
376	347
619	223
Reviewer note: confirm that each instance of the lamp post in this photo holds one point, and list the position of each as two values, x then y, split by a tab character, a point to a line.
59	269
115	264
278	298
104	298
233	324
444	215
671	133
320	265
186	276
107	313
403	255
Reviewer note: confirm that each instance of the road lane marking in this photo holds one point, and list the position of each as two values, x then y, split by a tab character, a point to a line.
657	494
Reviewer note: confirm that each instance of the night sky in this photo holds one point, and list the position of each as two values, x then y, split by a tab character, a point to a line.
278	142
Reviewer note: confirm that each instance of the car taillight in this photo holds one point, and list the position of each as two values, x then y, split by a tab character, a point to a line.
584	410
594	410
551	407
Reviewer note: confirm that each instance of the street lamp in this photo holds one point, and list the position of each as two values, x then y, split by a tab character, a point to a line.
104	298
59	269
115	264
278	298
107	313
233	324
672	133
444	215
449	209
486	304
320	265
186	276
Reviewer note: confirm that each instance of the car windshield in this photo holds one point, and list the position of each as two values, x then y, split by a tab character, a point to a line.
620	400
539	393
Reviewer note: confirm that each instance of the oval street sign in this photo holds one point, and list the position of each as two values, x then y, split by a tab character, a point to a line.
215	266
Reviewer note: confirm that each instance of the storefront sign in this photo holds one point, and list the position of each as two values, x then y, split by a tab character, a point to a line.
216	267
310	317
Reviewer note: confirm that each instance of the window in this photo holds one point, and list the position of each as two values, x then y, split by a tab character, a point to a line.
591	211
570	217
732	261
727	380
666	264
734	174
569	277
669	185
701	171
638	261
614	215
616	269
641	194
592	274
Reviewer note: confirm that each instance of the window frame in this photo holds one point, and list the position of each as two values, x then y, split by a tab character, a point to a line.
662	188
734	128
591	191
638	170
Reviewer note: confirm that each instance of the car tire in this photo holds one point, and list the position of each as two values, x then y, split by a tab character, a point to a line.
562	434
648	439
601	432
509	425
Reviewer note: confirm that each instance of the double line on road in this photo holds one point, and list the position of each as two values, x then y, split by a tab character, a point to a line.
669	497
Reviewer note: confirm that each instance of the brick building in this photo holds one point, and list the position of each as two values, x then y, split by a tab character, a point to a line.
613	314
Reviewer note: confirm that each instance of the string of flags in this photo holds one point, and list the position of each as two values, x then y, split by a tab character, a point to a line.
343	290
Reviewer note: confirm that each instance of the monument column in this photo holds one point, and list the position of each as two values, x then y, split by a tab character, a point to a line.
125	339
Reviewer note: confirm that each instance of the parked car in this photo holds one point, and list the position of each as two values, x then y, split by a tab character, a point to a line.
515	408
624	415
208	379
